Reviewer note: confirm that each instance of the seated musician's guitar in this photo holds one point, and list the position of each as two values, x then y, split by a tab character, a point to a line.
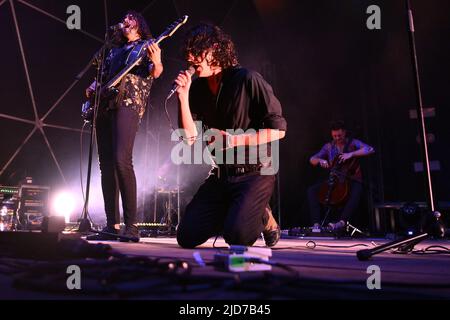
109	90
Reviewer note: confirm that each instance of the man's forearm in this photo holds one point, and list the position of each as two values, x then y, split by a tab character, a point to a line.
365	151
315	161
258	138
186	121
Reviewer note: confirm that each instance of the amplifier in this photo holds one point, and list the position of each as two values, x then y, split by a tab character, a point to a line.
9	201
33	205
7	190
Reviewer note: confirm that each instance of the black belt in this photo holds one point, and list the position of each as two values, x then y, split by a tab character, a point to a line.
235	171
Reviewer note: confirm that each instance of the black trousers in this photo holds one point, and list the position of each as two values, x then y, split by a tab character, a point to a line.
233	207
116	132
348	210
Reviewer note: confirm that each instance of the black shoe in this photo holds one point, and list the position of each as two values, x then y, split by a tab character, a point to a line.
107	234
131	233
272	231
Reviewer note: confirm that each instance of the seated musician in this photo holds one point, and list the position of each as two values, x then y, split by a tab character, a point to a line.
342	152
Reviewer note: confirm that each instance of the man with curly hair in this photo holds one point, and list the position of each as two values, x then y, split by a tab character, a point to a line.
233	201
118	121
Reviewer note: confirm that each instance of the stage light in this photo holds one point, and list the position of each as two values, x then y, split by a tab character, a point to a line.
64	205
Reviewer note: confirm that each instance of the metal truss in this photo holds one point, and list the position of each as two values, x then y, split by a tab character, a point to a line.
39	123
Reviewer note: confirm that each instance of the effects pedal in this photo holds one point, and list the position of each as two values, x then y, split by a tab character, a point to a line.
243	259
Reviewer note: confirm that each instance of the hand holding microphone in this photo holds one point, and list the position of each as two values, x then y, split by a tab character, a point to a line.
182	83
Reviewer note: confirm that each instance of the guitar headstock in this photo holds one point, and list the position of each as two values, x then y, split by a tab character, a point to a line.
170	30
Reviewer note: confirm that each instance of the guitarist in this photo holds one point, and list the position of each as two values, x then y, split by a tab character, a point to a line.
118	121
340	151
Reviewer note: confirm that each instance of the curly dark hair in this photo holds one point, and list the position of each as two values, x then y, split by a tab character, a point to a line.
338	125
119	39
205	37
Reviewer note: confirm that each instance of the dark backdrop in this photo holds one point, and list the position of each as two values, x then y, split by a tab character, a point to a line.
319	56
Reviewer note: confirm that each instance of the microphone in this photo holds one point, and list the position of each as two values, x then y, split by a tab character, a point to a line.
191	71
117	26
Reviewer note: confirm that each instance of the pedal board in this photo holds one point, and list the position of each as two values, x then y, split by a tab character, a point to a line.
318	232
244	259
311	232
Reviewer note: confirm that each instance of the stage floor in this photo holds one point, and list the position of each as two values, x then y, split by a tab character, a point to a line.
331	261
330	270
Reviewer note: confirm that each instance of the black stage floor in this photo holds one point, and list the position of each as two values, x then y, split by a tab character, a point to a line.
330	270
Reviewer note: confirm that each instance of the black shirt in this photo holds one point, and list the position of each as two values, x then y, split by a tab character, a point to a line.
244	101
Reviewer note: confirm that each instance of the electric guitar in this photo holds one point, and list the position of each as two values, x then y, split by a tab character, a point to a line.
109	89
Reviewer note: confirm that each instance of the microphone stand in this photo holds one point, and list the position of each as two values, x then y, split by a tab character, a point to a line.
85	224
438	227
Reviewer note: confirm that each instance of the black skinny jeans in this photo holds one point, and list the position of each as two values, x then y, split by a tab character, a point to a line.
116	132
230	206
